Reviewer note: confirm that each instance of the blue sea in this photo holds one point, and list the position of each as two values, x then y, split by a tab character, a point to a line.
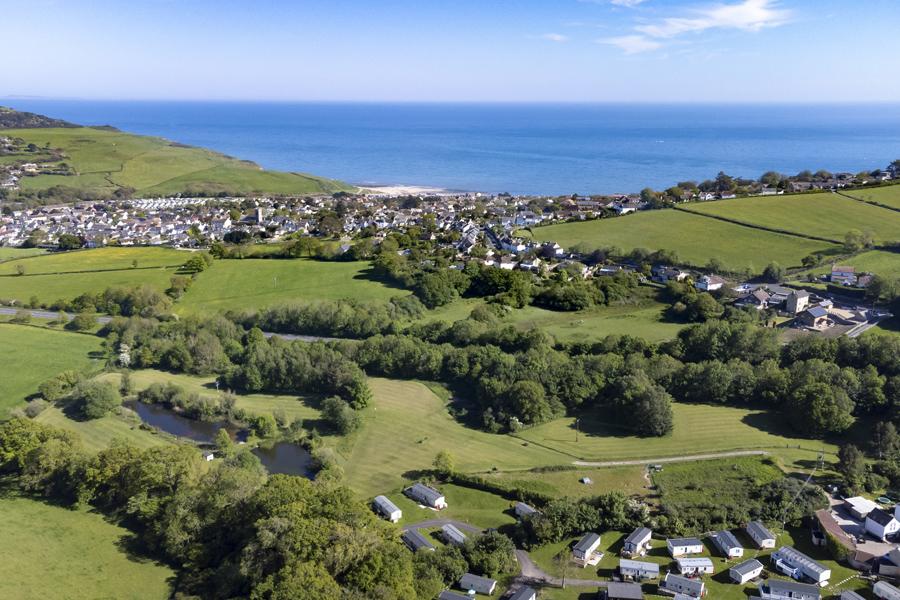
516	148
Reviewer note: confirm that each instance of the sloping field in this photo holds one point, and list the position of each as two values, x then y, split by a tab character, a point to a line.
30	355
888	195
49	288
98	434
696	239
823	215
255	283
108	160
100	259
53	552
880	262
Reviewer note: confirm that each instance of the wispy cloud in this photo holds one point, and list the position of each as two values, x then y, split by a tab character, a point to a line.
627	3
747	15
632	44
554	37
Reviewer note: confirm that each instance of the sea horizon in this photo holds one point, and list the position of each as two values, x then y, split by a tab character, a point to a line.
528	148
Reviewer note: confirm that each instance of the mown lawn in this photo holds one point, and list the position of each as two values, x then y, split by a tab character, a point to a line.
53	552
823	215
31	355
696	239
98	434
699	429
255	283
475	507
628	480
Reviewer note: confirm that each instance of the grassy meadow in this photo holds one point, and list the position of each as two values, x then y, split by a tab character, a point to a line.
98	434
888	195
54	552
31	355
823	215
695	238
12	253
106	160
100	259
880	262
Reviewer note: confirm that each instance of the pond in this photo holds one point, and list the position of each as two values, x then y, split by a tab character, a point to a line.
283	457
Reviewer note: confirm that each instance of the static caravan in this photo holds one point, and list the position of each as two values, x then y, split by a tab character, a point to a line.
448	595
427	496
885	591
416	541
524	510
728	544
848	595
479	585
746	571
795	564
638	542
616	590
676	584
638	570
762	536
695	566
775	589
452	535
585	551
524	593
387	509
681	546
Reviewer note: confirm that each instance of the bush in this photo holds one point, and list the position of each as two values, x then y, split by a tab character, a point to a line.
96	399
82	322
337	413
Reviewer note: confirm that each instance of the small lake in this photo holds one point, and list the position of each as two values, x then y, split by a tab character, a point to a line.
283	457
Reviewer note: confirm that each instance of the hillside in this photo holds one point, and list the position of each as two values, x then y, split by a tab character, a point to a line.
102	161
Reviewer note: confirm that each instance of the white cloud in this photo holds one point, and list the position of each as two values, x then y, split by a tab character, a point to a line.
632	44
554	37
749	15
628	3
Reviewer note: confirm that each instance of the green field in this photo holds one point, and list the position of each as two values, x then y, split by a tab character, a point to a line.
106	160
880	262
823	215
888	195
696	239
10	253
567	482
256	283
31	355
464	504
100	259
53	552
98	434
66	286
699	429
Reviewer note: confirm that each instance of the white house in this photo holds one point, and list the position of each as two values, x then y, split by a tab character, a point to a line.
524	510
387	509
709	283
452	535
523	593
695	566
638	542
762	536
681	546
480	585
885	591
676	584
859	507
584	553
428	496
775	589
746	571
794	563
728	544
638	570
882	524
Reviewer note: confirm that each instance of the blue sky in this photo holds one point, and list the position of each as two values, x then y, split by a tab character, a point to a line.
453	50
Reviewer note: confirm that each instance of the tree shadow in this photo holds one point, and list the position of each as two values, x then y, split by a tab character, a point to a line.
369	274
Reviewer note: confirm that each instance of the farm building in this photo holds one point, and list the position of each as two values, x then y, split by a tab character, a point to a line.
814	318
885	591
584	553
746	571
681	546
415	540
524	510
387	509
635	569
676	584
775	589
452	535
859	507
480	585
695	566
523	593
794	563
428	496
728	544
638	542
848	595
881	524
448	595
759	534
622	591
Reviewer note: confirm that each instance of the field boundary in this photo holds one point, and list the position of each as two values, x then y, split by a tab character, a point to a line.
160	267
814	238
869	202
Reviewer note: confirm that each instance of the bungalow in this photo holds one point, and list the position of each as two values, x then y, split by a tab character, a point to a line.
709	283
415	541
452	535
681	546
758	298
676	584
885	591
584	551
638	542
843	275
616	590
387	509
448	595
523	593
814	318
480	585
794	563
695	566
882	524
524	510
762	536
638	570
665	273
775	589
746	571
728	544
428	496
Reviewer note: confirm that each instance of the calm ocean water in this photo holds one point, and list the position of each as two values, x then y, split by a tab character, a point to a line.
540	149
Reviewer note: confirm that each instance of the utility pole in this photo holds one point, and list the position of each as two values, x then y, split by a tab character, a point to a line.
576	429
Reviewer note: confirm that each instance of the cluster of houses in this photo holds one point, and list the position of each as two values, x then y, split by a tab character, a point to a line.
881	524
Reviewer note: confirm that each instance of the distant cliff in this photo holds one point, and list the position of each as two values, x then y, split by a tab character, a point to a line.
14	119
